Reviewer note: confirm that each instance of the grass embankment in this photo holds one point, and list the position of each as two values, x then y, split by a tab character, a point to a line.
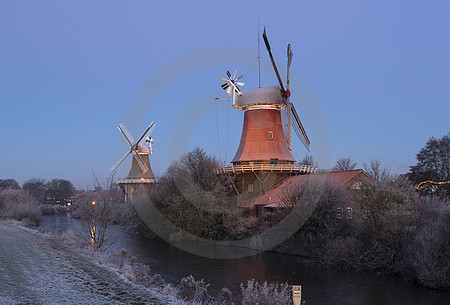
41	269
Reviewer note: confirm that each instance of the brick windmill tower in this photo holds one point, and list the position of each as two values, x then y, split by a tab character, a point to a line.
141	177
264	157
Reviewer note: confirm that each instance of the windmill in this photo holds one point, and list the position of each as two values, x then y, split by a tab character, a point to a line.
264	156
231	83
141	174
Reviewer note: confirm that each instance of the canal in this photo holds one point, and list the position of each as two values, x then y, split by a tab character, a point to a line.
320	285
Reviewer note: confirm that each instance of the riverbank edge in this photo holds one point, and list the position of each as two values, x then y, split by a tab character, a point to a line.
284	249
97	259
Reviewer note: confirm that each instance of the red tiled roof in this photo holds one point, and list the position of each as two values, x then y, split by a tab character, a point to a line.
279	193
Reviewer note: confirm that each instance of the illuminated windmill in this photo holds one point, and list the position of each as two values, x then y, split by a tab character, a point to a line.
140	176
264	155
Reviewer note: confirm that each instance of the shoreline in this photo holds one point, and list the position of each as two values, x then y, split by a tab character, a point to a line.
307	259
39	268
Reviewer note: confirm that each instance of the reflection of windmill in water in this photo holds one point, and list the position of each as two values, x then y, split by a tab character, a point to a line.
141	176
264	156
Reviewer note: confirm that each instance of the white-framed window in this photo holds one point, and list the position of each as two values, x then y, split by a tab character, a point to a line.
250	188
349	213
270	135
340	213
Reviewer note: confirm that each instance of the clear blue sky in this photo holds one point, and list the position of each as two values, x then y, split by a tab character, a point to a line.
69	72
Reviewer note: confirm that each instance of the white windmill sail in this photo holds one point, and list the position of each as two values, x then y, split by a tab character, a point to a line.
136	148
292	119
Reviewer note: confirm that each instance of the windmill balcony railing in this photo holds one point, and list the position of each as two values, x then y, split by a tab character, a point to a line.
285	168
136	181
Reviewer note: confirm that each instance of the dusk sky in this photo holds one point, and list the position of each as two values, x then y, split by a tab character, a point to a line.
374	79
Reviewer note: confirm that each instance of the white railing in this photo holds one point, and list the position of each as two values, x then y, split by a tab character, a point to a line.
268	167
136	180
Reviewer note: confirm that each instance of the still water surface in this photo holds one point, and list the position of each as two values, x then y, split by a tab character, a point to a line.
320	285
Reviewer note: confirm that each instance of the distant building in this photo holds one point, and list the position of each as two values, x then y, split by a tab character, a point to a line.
280	195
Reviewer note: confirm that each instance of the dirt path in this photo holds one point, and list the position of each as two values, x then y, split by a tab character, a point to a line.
35	269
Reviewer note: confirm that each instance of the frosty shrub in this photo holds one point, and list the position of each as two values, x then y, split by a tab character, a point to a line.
225	297
429	252
343	252
27	212
19	205
238	225
50	209
191	290
128	265
192	197
13	197
266	294
316	218
429	208
141	273
157	280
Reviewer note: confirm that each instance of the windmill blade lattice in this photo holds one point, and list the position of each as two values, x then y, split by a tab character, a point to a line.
299	129
115	166
231	84
136	148
126	133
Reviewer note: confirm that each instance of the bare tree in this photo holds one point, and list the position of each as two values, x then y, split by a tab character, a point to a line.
104	218
308	160
199	167
433	163
433	160
344	164
37	188
376	170
59	191
9	184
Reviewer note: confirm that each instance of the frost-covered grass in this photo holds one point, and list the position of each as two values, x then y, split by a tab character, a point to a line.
87	276
37	268
188	290
266	294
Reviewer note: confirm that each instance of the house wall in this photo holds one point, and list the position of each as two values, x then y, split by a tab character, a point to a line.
254	184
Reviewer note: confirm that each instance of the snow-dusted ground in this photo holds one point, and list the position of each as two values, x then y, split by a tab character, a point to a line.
35	269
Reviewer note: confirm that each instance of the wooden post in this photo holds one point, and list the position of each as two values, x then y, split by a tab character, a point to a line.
297	294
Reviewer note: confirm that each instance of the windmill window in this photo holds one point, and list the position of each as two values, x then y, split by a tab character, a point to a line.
349	214
270	135
340	213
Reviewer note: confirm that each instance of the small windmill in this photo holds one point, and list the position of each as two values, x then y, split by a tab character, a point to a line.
139	150
140	178
286	93
231	83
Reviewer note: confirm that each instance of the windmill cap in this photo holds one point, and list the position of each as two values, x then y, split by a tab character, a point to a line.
143	149
270	95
